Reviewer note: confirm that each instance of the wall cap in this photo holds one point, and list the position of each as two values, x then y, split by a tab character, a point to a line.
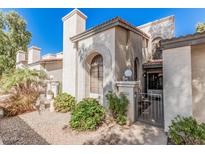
74	11
127	83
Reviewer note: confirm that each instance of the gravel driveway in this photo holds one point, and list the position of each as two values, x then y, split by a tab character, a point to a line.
52	128
15	131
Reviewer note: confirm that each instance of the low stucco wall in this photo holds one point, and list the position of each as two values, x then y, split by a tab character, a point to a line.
177	83
198	81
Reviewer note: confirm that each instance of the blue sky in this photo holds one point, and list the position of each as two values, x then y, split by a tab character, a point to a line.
46	24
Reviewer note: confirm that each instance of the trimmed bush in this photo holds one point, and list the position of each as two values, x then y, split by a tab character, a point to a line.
87	115
64	102
118	107
186	130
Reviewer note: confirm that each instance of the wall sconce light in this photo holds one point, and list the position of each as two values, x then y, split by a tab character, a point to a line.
145	75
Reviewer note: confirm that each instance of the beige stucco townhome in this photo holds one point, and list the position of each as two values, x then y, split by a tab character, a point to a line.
96	60
162	76
184	77
50	63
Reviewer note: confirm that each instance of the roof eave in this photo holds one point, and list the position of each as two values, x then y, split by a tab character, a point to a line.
100	28
88	33
188	40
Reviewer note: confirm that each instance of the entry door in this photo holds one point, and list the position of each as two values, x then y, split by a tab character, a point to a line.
96	78
155	82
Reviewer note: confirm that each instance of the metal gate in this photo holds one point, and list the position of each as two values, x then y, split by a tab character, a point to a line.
149	108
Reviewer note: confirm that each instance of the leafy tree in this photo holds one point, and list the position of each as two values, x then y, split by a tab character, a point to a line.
200	27
23	80
13	37
24	87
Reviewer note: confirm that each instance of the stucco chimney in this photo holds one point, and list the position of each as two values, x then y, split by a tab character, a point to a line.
73	24
20	56
34	54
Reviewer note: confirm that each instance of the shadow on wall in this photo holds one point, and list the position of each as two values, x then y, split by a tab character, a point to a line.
164	30
198	84
100	44
177	94
103	44
198	91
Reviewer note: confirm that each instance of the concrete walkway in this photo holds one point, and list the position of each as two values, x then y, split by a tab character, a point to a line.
53	128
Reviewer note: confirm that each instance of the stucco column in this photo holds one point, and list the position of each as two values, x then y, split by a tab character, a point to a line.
129	89
177	83
73	24
55	87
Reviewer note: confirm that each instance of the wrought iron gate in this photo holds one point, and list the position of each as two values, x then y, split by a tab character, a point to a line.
149	108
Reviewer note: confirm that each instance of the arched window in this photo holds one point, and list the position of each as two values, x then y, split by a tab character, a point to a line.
136	69
156	49
96	75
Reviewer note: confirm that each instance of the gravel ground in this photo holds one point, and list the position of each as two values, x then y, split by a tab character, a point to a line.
53	129
15	131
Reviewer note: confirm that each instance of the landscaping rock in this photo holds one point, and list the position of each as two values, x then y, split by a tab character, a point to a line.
53	128
14	131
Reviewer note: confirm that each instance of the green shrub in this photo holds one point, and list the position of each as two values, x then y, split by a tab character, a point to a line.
118	106
121	119
186	130
64	102
87	115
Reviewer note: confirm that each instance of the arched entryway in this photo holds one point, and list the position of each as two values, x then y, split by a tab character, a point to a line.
96	75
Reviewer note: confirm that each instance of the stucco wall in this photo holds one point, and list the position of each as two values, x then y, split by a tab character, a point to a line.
198	81
35	66
129	46
54	69
177	83
101	43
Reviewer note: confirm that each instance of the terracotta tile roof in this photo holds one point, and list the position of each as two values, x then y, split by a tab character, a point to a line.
187	40
50	60
156	61
153	63
185	36
117	21
23	62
